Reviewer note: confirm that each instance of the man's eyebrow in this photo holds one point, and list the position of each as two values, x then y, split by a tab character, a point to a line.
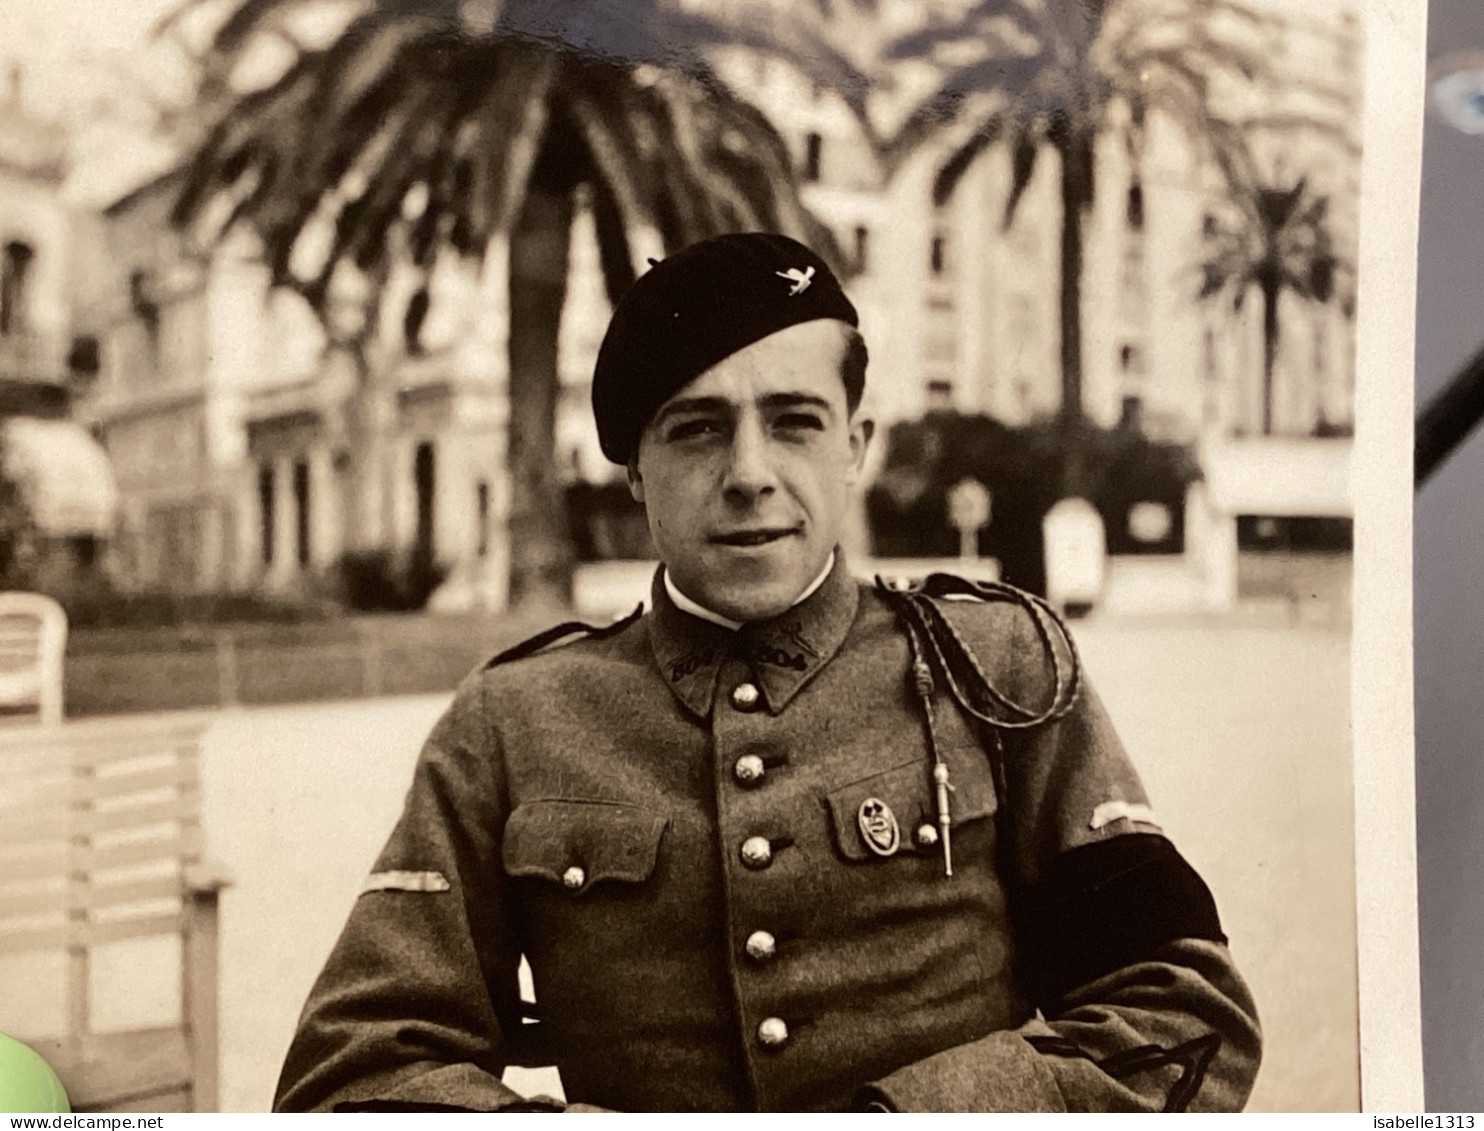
772	401
691	404
795	400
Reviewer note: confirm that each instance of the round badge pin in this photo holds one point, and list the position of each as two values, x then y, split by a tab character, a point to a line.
879	828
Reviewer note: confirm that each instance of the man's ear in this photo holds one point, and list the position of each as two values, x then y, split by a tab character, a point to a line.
862	428
636	481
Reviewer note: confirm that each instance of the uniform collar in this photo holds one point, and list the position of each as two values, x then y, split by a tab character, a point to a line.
783	653
696	609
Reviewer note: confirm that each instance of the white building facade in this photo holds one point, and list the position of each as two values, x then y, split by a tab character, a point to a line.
226	415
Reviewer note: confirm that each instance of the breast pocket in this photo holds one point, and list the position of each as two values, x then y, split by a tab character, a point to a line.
890	812
580	845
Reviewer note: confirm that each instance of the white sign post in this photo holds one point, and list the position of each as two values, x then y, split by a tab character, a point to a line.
969	509
1076	554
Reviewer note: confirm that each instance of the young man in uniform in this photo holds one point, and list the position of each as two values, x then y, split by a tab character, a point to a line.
786	841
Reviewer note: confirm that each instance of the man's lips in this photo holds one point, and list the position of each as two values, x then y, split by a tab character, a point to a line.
759	537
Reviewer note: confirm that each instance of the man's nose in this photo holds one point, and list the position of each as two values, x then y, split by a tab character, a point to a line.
749	471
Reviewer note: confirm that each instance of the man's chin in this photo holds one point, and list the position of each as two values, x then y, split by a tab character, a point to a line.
753	600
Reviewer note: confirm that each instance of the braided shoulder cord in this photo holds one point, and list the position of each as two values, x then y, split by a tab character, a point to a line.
931	635
937	644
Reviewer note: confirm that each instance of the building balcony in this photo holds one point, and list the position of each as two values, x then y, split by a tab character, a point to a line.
33	381
30	357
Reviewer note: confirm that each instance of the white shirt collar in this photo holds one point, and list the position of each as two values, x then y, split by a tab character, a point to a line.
685	604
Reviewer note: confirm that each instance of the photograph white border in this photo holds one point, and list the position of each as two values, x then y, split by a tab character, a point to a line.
1381	646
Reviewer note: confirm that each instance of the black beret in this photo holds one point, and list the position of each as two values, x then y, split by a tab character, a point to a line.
693	309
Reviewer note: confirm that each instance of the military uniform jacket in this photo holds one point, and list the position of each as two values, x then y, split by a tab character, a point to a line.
710	846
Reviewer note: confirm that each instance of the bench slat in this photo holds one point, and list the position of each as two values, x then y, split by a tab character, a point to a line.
121	930
33	938
180	772
53	823
183	845
107	1068
85	898
133	891
81	745
183	808
32	902
35	865
62	792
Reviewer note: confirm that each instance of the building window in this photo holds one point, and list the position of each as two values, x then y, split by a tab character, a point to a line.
301	512
1131	282
813	156
1131	413
937	258
940	395
1211	401
423	484
84	357
144	307
1135	209
862	247
413	320
266	503
15	265
482	513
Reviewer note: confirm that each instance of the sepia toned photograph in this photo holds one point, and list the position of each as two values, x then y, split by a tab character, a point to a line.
651	555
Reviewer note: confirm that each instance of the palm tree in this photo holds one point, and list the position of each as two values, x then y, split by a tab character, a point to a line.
1278	240
1043	75
426	128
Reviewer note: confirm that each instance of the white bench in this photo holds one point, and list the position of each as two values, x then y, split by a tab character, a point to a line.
101	844
33	640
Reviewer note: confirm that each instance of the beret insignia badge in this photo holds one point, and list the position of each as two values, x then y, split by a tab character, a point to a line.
799	278
878	825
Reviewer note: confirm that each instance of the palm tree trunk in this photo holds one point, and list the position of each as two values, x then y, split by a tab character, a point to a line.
1269	353
1076	195
541	555
369	420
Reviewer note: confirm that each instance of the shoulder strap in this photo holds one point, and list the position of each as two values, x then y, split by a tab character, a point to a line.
572	628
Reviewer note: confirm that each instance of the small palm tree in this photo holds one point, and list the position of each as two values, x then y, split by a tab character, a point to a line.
1040	75
426	128
1278	240
17	532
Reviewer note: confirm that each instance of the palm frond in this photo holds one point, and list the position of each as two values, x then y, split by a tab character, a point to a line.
604	115
997	27
246	20
509	125
963	159
1025	148
1007	79
615	255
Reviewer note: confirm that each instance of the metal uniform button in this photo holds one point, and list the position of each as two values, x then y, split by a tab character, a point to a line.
761	946
772	1033
926	836
749	769
745	696
573	878
757	852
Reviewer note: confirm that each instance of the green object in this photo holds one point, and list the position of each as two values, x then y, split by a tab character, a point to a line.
27	1083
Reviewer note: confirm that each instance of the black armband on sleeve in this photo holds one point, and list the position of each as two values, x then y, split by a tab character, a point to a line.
1107	905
